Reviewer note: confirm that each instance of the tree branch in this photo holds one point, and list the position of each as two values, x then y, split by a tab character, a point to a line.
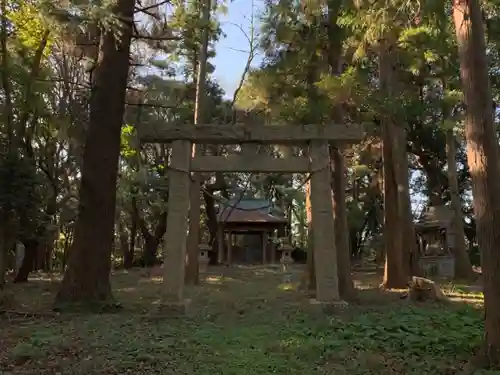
145	9
156	38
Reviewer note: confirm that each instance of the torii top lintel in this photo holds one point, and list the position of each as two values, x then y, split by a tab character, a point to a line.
242	133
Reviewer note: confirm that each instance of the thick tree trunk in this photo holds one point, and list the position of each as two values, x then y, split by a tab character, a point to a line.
335	40
151	241
150	251
463	267
395	275
434	184
211	224
86	281
192	268
346	286
30	253
483	160
408	242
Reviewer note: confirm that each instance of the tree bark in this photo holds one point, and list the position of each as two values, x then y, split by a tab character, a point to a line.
434	183
335	40
346	286
408	242
86	282
128	257
151	241
463	267
483	161
211	224
394	272
30	253
150	250
192	270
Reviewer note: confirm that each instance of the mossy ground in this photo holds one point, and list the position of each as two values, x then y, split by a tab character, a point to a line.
241	321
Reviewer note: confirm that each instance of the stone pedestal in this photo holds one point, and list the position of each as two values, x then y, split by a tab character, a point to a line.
438	266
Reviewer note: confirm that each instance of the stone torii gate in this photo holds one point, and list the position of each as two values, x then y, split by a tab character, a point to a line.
182	137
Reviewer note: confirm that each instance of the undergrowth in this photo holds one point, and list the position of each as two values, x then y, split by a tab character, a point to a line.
252	337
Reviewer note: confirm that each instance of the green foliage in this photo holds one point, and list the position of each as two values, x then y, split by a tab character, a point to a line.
20	186
243	324
128	142
186	21
26	19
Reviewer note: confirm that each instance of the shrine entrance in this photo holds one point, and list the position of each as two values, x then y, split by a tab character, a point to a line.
253	223
314	140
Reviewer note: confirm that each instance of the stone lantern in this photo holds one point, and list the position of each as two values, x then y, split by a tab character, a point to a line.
286	252
203	259
286	259
436	241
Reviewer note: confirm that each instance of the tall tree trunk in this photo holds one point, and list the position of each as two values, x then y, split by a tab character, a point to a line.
463	267
408	242
86	281
128	257
483	160
394	274
4	246
150	250
192	272
151	241
346	286
211	223
335	40
123	240
13	144
434	183
29	259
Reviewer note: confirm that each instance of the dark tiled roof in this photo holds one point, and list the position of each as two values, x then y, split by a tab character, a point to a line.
249	211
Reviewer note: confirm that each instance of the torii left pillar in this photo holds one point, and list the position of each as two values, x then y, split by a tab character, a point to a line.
174	244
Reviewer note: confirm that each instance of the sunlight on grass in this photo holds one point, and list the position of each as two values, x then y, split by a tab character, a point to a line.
45	277
254	324
214	279
287	286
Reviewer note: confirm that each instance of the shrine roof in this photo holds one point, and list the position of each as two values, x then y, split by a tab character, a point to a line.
250	211
435	217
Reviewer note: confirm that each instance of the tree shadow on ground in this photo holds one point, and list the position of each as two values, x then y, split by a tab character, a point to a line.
244	320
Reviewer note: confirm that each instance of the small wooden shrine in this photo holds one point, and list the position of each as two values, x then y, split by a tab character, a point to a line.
436	239
251	221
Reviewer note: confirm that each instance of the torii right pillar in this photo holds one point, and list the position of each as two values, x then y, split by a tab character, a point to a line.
325	254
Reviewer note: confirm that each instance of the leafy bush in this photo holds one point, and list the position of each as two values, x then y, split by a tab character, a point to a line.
20	192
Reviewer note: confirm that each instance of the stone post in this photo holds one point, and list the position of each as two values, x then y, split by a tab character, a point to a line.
174	251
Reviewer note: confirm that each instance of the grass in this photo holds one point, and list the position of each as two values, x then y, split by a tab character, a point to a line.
242	321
